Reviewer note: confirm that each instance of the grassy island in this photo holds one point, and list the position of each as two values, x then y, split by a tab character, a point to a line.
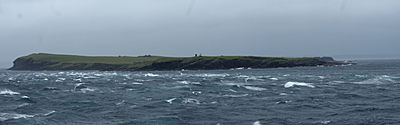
43	61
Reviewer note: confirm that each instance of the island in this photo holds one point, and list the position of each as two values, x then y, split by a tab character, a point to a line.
44	61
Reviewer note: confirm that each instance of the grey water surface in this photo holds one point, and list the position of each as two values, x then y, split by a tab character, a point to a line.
367	93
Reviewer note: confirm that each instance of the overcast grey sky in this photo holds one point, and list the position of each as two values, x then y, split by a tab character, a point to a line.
210	27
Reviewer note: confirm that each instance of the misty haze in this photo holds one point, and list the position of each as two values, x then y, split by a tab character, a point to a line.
344	28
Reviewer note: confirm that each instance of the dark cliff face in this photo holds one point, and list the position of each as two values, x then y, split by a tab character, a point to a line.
30	64
195	63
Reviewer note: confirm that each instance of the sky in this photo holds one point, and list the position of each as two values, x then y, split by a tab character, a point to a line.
292	28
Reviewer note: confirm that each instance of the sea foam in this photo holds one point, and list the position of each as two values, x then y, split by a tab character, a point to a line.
293	84
9	116
8	92
151	75
255	88
383	79
257	123
170	100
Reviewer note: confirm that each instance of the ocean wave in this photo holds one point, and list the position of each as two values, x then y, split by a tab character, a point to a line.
324	122
242	76
283	102
50	88
49	113
170	100
8	92
23	105
84	90
184	82
137	83
382	79
361	76
120	103
236	96
78	80
191	101
275	79
79	86
293	84
252	78
10	116
151	75
283	94
257	123
60	79
255	88
212	75
336	82
25	97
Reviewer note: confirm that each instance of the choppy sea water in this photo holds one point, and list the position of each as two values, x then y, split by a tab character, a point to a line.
367	93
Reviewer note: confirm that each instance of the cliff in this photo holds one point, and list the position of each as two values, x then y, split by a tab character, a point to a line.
42	61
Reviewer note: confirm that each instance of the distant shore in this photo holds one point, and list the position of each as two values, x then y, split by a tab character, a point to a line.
44	61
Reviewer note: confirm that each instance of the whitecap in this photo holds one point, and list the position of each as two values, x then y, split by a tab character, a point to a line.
84	90
60	79
151	75
240	68
257	123
255	88
251	78
275	79
197	92
212	75
361	76
124	83
136	83
236	96
170	100
25	97
49	113
191	101
283	102
10	116
336	82
231	90
12	79
377	80
183	82
8	92
283	94
120	103
324	122
370	81
292	84
235	84
79	85
78	80
242	76
387	76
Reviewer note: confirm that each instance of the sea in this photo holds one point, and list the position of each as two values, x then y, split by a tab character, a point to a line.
364	94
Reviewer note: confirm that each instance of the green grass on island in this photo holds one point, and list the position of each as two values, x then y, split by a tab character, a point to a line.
43	61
